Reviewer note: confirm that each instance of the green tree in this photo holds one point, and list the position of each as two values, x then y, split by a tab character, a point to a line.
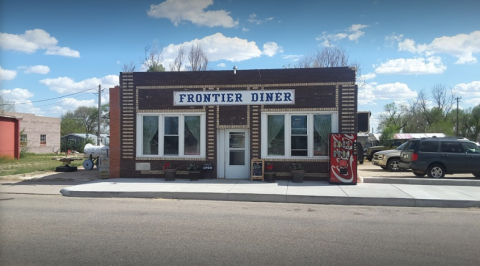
394	118
82	120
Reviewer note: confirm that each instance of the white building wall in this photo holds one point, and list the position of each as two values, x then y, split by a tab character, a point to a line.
34	126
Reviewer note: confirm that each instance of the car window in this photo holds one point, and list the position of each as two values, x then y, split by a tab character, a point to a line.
470	147
429	146
401	146
397	142
453	147
411	145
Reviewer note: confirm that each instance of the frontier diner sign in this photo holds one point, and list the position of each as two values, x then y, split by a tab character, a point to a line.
266	97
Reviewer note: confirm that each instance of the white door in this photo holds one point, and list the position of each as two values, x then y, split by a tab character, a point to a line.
236	154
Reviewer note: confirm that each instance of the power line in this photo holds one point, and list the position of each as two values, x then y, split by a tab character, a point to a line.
49	99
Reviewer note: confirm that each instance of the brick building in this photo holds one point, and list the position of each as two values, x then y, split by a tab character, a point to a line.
227	118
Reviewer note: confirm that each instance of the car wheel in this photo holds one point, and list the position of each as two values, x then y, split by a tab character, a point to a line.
436	171
369	157
360	161
392	165
419	174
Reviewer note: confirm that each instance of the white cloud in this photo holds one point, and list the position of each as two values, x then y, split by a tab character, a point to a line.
394	91
73	103
33	40
397	91
16	95
63	51
366	95
253	19
271	48
393	39
410	66
68	85
292	57
368	76
461	46
245	29
217	47
39	69
356	32
468	90
353	33
222	65
193	11
6	74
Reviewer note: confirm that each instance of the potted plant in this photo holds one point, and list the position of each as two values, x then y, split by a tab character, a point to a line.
169	172
297	173
269	173
194	172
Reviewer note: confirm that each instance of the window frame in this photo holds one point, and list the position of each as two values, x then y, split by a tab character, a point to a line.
23	140
44	142
288	134
161	135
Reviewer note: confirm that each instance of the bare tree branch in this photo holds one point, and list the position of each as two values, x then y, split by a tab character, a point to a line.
197	58
177	64
130	67
153	58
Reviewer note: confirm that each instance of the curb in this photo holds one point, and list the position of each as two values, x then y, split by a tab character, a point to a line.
422	181
280	198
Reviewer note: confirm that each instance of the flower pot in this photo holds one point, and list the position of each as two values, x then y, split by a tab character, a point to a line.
170	174
194	175
297	176
270	177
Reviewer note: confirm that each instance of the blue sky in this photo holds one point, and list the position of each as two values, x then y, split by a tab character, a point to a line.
54	54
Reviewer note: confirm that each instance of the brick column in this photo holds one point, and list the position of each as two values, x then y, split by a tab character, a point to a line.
114	132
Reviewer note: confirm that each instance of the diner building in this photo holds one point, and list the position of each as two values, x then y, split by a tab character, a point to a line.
221	120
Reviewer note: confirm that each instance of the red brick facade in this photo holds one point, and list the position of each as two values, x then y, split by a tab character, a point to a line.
316	90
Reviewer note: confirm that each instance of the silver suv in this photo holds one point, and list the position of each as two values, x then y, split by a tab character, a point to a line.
389	159
439	156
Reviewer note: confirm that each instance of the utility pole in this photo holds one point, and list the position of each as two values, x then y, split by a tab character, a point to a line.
100	112
458	99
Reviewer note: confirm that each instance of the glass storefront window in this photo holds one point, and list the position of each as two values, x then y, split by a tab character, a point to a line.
150	135
171	135
192	135
296	135
276	134
322	127
170	141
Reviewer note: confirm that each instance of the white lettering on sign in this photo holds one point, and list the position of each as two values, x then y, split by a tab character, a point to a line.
266	97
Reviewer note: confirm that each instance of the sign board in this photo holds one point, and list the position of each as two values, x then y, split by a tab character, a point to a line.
253	97
343	158
258	169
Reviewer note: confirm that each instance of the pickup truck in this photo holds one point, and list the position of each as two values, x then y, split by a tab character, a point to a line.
389	145
389	159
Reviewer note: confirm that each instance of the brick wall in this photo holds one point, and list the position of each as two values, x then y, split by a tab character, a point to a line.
114	132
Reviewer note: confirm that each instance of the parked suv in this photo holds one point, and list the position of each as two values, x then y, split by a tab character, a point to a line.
389	145
439	156
389	159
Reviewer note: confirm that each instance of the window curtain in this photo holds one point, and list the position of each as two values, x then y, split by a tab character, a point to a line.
323	126
150	127
193	124
275	124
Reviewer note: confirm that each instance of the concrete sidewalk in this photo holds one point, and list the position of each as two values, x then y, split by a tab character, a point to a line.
374	194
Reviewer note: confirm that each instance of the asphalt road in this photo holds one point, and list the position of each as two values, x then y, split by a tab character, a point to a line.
55	230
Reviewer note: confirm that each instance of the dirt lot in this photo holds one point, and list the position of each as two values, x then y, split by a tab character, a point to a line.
367	169
79	175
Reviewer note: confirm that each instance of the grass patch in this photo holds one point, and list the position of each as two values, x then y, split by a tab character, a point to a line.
31	163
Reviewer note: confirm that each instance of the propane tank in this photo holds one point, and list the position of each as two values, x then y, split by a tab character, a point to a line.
93	151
